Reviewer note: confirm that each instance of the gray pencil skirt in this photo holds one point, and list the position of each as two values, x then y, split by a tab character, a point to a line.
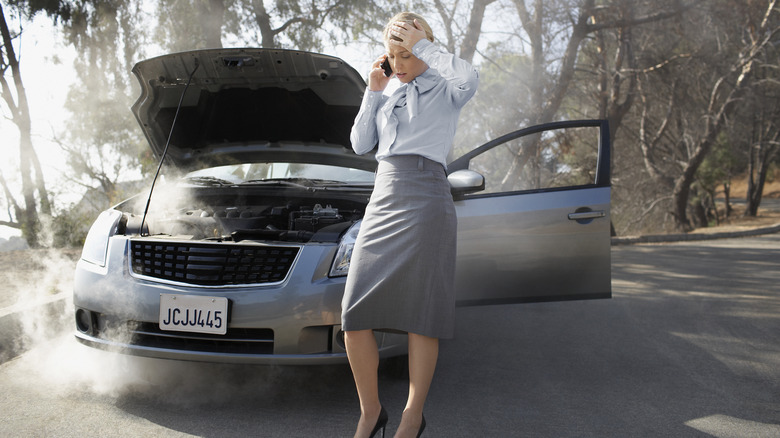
401	276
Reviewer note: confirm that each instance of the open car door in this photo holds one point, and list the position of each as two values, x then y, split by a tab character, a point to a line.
539	230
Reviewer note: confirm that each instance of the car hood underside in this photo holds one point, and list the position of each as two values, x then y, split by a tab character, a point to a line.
241	100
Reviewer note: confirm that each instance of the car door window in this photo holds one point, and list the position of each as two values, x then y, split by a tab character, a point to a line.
552	159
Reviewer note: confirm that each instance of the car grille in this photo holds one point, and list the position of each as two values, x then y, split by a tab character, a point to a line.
236	341
206	264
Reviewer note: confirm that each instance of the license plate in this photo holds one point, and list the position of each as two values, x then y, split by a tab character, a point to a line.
191	313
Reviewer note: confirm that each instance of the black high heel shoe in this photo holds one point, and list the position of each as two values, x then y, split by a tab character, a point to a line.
381	422
422	427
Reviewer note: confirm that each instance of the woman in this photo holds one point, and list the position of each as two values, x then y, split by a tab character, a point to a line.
402	269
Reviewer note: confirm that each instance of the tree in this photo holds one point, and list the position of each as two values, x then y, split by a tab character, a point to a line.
102	141
762	153
763	107
700	94
25	218
724	97
717	170
302	25
608	75
662	83
566	45
191	24
462	25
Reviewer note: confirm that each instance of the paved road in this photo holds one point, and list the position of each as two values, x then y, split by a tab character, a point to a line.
688	347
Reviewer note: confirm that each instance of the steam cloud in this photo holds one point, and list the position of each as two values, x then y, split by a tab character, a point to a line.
38	297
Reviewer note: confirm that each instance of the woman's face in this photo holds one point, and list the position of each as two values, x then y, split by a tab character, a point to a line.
405	65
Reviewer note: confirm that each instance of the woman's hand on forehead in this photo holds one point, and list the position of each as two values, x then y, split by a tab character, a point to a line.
409	33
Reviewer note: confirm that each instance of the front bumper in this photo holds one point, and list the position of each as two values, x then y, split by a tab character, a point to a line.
295	322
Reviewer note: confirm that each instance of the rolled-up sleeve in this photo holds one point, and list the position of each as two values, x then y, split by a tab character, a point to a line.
364	131
461	76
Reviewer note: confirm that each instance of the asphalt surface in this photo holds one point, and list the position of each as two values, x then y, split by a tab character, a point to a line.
687	347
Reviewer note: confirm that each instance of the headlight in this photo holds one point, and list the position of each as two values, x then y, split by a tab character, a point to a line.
340	265
96	244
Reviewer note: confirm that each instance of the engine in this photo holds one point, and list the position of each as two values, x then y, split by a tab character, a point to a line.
289	222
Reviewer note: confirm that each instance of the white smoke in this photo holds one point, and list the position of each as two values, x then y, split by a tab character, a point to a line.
38	295
39	327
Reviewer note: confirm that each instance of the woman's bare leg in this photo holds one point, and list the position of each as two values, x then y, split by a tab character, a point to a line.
363	358
423	353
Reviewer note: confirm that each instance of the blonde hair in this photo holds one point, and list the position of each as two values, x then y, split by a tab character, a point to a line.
407	17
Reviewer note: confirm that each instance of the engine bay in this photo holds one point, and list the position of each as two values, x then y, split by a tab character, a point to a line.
268	219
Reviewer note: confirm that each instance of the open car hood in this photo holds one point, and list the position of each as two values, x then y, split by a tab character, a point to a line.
246	105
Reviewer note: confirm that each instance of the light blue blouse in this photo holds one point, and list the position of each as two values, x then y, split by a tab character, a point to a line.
420	117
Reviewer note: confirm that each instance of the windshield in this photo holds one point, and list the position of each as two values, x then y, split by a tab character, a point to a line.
258	172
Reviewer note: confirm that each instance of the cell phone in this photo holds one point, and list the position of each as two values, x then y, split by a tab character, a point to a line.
386	67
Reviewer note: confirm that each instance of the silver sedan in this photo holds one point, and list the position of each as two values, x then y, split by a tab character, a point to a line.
243	256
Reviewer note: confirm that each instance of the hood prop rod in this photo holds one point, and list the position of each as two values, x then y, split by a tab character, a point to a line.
165	150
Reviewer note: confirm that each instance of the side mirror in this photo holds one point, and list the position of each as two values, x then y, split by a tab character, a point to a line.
465	181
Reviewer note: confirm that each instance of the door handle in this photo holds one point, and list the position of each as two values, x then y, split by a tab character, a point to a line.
585	215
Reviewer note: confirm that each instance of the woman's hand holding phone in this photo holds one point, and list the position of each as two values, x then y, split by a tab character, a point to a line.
386	67
377	78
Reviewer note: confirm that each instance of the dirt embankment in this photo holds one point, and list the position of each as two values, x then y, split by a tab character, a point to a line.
768	213
771	187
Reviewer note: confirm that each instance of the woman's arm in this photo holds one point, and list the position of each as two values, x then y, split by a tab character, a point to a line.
461	76
364	136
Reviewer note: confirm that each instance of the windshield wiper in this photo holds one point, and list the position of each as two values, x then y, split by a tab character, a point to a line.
346	183
325	184
294	182
209	181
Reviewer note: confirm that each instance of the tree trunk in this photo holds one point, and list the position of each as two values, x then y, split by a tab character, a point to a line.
682	185
756	190
680	195
40	184
212	15
762	158
28	159
727	198
469	44
264	22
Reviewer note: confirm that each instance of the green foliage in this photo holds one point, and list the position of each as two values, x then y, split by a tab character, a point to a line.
192	24
57	9
293	24
720	166
69	228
